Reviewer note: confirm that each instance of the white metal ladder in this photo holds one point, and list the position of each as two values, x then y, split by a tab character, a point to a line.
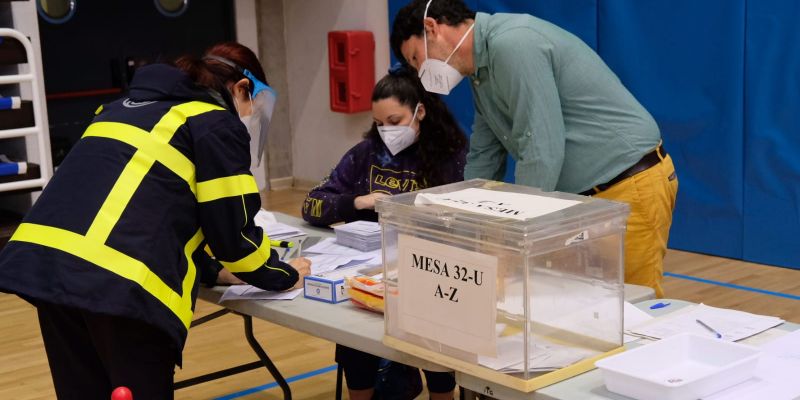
37	129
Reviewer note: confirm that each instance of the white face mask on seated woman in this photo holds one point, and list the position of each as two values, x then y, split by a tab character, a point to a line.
398	137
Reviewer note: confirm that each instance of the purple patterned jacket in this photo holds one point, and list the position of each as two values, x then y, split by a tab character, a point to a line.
366	168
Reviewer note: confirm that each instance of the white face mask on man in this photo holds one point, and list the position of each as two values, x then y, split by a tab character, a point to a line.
398	137
438	76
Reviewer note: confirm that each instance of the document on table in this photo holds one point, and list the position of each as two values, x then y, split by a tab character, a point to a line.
274	229
248	292
633	317
733	325
775	376
327	255
330	247
546	356
322	263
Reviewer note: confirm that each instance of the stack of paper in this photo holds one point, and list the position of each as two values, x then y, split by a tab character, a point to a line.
546	355
274	229
730	324
328	255
361	235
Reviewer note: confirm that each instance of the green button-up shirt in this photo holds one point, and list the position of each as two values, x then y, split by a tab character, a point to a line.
547	99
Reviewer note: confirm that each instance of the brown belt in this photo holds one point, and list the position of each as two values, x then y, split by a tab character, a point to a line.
650	159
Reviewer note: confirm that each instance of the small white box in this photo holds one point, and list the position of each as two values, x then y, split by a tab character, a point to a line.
682	367
329	286
329	290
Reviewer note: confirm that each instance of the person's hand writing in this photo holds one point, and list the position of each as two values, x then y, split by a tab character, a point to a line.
303	267
225	277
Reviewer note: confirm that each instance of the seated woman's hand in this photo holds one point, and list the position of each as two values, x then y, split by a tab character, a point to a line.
367	202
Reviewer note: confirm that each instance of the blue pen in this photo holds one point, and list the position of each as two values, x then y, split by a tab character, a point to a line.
659	305
710	329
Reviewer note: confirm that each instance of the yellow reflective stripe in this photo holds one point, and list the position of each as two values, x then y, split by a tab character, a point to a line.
99	110
177	115
140	139
191	270
264	239
110	259
150	147
121	194
252	261
228	186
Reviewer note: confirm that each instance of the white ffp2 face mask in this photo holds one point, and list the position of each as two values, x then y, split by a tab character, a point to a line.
398	137
438	76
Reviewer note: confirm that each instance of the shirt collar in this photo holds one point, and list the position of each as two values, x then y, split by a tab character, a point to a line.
479	51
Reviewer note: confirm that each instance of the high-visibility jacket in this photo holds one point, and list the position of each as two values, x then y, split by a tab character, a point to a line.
119	230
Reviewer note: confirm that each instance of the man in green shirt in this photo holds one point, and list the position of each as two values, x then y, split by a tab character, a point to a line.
547	99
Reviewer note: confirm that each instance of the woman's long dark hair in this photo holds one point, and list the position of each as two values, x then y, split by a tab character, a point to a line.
441	139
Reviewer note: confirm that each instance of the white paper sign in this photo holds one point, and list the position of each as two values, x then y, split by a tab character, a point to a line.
447	294
495	203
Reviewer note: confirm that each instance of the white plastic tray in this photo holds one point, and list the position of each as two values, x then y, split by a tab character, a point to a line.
682	367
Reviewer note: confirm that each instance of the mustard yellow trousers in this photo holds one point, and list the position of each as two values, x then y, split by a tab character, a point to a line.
651	196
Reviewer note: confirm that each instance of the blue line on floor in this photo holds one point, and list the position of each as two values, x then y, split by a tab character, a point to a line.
733	286
275	384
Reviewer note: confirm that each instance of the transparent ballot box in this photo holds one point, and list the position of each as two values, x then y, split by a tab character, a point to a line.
505	282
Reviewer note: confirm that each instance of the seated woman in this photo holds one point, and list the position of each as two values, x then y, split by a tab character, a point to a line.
414	143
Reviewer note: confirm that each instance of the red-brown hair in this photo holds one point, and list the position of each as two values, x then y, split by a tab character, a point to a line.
217	75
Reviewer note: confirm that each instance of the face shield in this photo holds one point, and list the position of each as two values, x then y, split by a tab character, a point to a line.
262	102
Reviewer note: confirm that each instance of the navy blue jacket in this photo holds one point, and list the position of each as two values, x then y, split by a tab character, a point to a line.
122	226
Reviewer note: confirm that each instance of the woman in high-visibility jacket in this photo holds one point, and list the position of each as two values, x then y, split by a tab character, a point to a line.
110	251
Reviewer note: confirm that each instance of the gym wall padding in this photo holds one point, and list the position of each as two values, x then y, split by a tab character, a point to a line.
721	78
772	133
684	61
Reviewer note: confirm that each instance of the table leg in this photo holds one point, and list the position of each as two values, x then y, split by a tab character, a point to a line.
273	370
339	373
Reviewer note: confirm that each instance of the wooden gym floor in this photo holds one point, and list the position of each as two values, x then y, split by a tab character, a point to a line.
24	374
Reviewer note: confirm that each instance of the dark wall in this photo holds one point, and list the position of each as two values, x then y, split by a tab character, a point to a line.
91	52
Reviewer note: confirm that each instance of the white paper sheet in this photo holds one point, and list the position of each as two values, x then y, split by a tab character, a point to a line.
264	217
274	229
448	294
322	263
547	356
580	306
633	317
248	292
364	228
329	246
495	203
733	325
776	373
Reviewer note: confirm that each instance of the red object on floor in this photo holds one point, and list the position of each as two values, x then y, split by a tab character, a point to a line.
121	393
